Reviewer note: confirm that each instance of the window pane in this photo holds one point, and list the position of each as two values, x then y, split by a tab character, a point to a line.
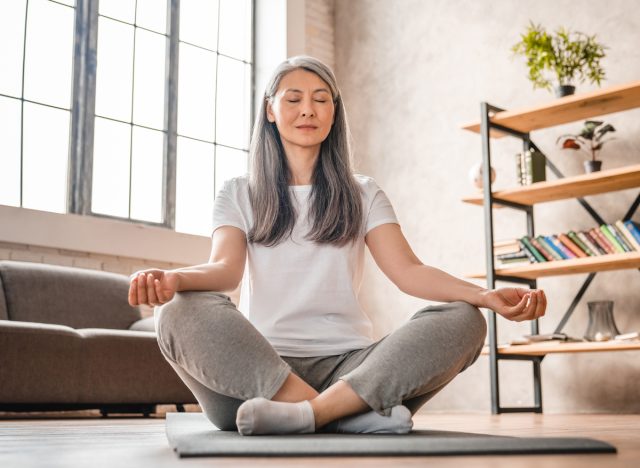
114	72
67	2
110	186
123	10
229	163
146	175
199	22
232	122
152	14
10	152
235	29
45	158
49	53
148	93
12	32
194	187
196	93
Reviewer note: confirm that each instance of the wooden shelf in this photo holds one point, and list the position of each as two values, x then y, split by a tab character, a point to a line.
617	261
611	180
566	109
551	347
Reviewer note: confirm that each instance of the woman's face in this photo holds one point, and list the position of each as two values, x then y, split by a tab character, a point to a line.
302	109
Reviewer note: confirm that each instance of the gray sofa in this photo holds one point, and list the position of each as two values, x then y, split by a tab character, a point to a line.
70	340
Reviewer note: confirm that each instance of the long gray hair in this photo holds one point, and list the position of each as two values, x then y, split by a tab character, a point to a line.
335	198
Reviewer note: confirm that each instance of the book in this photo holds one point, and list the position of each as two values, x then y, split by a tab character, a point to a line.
584	247
542	250
530	167
506	246
544	243
519	168
627	235
602	240
512	261
538	257
610	237
568	243
586	238
619	237
565	252
633	229
506	256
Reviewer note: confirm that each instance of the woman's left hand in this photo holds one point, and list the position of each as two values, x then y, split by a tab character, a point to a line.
516	304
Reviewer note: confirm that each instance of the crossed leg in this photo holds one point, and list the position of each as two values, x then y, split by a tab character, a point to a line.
286	403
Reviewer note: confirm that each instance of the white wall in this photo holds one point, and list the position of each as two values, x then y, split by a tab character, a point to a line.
412	72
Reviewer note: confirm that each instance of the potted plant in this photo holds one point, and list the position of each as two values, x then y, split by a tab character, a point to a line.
589	140
571	56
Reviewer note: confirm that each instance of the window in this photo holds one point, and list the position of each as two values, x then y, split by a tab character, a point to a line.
140	111
35	113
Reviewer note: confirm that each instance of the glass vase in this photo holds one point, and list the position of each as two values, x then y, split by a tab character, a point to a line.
602	326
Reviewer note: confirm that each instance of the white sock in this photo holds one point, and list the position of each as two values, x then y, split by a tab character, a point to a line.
262	416
399	422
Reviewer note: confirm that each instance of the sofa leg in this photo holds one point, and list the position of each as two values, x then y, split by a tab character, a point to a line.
180	408
146	410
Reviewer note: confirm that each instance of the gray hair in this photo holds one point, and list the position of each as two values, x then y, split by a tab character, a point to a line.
335	200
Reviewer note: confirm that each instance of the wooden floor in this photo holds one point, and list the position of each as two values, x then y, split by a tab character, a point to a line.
83	439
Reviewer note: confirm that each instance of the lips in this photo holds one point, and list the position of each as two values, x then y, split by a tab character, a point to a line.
307	127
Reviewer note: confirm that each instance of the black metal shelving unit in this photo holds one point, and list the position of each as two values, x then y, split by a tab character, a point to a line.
486	125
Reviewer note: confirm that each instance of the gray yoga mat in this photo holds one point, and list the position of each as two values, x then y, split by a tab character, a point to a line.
192	435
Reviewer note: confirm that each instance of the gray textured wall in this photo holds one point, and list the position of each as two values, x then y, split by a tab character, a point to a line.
413	71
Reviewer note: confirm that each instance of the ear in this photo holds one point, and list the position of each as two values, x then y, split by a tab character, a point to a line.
270	115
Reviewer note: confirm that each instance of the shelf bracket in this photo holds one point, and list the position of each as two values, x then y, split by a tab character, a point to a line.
574	303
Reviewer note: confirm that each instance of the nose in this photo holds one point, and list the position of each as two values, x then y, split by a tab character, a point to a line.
307	109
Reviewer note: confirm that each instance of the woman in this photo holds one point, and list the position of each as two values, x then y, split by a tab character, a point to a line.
304	360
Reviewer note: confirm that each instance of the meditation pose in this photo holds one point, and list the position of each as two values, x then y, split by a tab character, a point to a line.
297	355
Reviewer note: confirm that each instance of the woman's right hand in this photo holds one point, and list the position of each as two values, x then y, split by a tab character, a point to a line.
152	287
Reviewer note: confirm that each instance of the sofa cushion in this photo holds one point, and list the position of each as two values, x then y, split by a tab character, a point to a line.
74	297
145	324
43	363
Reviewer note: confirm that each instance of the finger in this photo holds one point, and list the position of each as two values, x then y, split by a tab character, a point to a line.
512	313
161	297
542	305
151	290
133	292
523	308
530	311
142	289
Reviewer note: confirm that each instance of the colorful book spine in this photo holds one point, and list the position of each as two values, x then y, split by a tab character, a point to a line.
616	245
562	237
597	250
561	249
620	238
633	229
603	242
527	243
627	235
550	248
541	249
527	252
576	240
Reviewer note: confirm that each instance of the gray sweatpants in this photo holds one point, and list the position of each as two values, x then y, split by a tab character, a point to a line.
224	360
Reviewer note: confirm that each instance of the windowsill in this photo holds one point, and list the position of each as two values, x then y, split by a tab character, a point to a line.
101	236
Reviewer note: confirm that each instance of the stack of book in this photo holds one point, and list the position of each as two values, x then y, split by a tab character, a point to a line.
619	237
530	167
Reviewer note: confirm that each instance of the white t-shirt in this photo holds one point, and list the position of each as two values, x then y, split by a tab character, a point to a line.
303	296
